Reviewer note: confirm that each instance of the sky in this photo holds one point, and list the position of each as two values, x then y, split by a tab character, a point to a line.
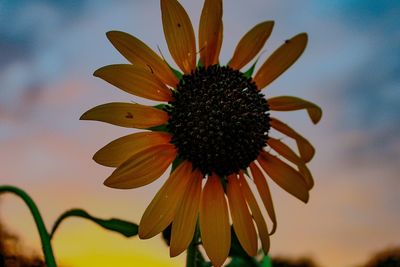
49	50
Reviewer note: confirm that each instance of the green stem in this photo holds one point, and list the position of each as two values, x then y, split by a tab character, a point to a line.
44	235
191	257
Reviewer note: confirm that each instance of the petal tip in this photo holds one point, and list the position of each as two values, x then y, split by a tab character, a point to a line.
303	35
111	34
317	118
112	183
306	198
84	116
142	234
270	22
96	159
97	73
304	38
109	183
173	252
273	230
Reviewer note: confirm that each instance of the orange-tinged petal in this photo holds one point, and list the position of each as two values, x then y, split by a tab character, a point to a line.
162	209
214	221
281	60
127	115
219	44
284	175
251	43
135	80
265	194
142	168
284	150
256	212
185	219
306	175
210	32
179	34
241	218
118	151
306	150
139	53
289	103
288	154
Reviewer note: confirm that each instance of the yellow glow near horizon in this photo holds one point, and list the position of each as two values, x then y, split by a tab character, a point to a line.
84	245
120	260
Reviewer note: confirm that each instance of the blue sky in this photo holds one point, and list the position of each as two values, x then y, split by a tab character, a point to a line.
49	50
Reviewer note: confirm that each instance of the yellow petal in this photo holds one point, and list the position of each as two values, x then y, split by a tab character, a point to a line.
162	209
214	221
289	103
118	151
241	218
210	32
127	115
281	60
256	212
251	43
306	150
284	150
139	53
184	223
265	194
284	175
142	168
135	80
179	34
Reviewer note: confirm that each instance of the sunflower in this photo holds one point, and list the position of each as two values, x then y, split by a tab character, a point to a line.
214	129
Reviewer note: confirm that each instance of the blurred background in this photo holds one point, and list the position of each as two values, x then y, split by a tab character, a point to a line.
49	50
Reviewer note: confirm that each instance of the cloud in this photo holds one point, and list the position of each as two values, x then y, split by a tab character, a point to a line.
26	66
371	93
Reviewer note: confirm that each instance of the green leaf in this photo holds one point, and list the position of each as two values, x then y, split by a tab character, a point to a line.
176	163
200	261
161	106
224	182
177	73
159	128
205	264
240	262
250	71
239	255
125	228
236	248
266	261
199	64
166	234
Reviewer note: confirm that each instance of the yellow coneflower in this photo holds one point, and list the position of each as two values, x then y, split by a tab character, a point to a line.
215	126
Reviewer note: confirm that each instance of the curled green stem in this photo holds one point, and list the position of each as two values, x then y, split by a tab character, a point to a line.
44	235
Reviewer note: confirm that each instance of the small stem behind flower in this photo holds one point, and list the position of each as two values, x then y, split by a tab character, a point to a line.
192	251
44	235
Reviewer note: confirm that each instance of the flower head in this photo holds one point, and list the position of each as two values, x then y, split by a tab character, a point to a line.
214	127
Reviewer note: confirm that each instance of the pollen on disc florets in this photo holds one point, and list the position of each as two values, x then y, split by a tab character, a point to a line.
218	120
